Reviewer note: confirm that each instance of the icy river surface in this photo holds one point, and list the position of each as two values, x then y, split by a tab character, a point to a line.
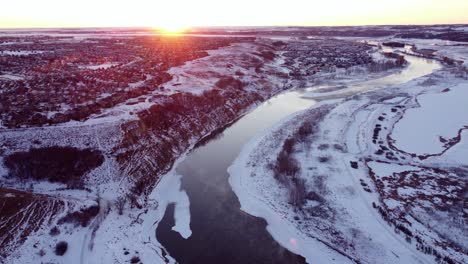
221	231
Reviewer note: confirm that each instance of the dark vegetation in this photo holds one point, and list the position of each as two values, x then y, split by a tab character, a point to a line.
229	82
61	248
81	217
394	44
287	172
305	59
421	180
286	169
453	36
421	245
59	75
54	231
449	32
267	54
55	164
135	260
397	61
120	204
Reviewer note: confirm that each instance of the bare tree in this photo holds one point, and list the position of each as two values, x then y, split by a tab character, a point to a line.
120	204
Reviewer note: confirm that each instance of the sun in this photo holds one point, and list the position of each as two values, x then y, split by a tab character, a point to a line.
172	29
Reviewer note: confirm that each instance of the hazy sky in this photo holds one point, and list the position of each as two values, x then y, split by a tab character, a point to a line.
178	13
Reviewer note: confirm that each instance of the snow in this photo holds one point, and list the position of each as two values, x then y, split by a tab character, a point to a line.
385	169
132	232
392	204
135	231
417	67
354	136
279	227
99	66
12	77
351	123
452	49
457	154
75	237
20	53
199	75
377	56
439	115
194	76
168	191
260	196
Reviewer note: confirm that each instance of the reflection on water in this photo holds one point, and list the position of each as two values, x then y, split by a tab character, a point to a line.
417	67
221	232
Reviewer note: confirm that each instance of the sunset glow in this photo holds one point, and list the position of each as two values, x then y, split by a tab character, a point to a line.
178	14
172	29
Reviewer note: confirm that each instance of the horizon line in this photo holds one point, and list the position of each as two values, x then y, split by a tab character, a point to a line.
252	26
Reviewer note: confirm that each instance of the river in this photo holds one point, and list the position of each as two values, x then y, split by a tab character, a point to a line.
221	232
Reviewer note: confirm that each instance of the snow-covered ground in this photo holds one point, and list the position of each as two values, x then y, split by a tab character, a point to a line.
11	77
428	128
365	199
99	66
112	237
21	52
417	67
339	224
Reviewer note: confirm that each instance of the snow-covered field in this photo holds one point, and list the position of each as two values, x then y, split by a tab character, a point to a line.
428	128
367	197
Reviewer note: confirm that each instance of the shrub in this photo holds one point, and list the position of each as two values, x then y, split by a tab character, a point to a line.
304	131
55	164
279	43
54	231
135	260
61	248
120	204
394	44
288	146
314	196
286	166
323	146
229	82
81	217
297	192
323	159
286	170
268	55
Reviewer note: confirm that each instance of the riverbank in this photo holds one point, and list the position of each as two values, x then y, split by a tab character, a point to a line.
202	97
347	202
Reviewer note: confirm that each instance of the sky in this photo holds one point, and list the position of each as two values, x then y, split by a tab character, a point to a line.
186	13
